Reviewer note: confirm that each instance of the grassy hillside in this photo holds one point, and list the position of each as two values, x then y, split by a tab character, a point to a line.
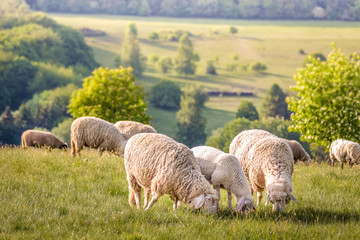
275	43
49	195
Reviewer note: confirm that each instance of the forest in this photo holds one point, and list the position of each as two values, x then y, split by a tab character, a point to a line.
348	10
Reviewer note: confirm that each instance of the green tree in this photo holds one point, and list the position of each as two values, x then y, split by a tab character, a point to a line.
257	66
210	67
327	101
164	65
166	94
144	8
247	110
185	58
190	126
309	58
110	94
233	30
130	51
274	103
63	129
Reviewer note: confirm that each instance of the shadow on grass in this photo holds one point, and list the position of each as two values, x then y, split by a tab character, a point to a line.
301	216
159	44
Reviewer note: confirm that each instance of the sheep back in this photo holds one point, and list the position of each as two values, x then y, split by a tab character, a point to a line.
130	128
345	151
35	138
299	152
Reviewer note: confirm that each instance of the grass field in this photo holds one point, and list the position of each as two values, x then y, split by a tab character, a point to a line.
49	195
275	43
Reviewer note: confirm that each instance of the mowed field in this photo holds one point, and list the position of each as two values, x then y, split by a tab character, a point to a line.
274	43
49	195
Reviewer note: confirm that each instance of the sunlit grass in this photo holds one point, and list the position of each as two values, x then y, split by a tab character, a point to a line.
51	195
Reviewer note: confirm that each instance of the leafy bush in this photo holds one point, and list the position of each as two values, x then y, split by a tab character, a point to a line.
154	36
154	58
233	30
164	65
247	110
210	67
257	66
165	94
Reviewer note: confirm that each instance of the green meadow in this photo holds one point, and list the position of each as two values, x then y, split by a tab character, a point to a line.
274	43
50	195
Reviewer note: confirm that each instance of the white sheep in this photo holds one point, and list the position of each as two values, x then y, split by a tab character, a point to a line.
161	165
223	170
344	151
268	164
95	133
130	128
299	152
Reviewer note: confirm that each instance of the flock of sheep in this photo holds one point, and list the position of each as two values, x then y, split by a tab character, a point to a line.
160	165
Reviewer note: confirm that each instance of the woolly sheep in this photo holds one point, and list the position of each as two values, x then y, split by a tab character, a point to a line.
130	128
299	152
268	164
224	170
344	151
35	138
95	133
161	165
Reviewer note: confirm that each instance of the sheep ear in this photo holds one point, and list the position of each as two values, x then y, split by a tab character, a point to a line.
292	197
199	201
240	204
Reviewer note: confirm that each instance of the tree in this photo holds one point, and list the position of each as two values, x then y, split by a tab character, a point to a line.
309	57
110	94
233	30
327	103
130	51
257	66
210	67
164	65
190	126
247	110
185	58
274	103
144	8
166	94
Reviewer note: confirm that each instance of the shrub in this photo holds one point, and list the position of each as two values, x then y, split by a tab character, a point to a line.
165	94
233	30
210	68
257	66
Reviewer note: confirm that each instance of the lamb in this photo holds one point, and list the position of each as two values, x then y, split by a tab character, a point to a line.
267	163
161	166
224	170
35	138
130	128
344	151
95	133
299	152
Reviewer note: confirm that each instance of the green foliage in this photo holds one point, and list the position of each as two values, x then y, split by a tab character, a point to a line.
309	58
222	137
235	56
154	36
10	132
274	104
13	8
117	61
165	94
164	65
144	8
233	30
257	66
190	125
210	67
63	129
327	101
110	94
130	51
154	58
247	110
185	58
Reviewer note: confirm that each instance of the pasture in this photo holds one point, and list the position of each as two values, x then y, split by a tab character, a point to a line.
274	43
49	195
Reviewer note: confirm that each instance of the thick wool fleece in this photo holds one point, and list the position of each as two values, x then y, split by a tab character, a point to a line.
130	128
345	151
34	138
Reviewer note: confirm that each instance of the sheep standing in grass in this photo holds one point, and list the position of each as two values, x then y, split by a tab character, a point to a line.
95	133
268	164
130	128
299	152
223	170
161	165
344	151
35	138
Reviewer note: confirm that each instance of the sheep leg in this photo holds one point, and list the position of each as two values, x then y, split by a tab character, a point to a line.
147	193
154	198
229	200
134	192
342	165
217	189
332	158
259	197
251	190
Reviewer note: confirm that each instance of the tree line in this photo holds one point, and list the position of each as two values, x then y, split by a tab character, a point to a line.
242	9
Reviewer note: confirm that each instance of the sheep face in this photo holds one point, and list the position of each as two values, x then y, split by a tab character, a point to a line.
64	146
208	201
280	200
244	205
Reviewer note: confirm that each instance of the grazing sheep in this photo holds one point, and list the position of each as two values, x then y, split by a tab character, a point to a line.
130	128
223	170
161	165
95	133
268	164
344	151
35	138
299	152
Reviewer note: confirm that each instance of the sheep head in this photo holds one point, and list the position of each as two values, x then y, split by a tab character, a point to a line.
244	205
208	201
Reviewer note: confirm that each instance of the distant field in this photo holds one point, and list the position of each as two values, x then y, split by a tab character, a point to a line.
275	43
49	195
